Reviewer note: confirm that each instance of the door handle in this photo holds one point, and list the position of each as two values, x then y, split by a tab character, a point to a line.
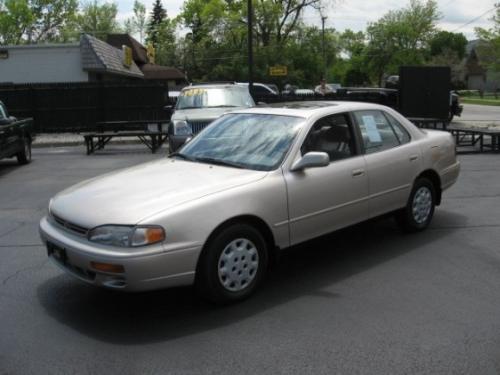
413	157
358	172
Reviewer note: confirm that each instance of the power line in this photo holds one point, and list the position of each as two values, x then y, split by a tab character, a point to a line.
474	19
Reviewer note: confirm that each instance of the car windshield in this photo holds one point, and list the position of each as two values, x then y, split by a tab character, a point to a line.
250	141
214	97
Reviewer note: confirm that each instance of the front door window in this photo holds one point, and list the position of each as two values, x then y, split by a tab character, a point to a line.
332	135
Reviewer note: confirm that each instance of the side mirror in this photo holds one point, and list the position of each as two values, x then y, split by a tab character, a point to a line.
311	160
13	119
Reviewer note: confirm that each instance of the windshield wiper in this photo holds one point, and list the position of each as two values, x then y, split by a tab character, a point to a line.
182	156
190	107
219	162
222	106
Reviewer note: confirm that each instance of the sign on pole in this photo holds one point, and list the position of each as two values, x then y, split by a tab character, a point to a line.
278	70
127	56
151	53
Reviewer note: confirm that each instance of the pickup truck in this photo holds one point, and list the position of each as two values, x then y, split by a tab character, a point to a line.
16	137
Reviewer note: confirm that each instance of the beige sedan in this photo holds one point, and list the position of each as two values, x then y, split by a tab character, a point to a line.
252	182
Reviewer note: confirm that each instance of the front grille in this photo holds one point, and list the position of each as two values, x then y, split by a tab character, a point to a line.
198	126
71	227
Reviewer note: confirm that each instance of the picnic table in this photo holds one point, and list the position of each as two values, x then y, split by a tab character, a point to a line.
150	132
473	136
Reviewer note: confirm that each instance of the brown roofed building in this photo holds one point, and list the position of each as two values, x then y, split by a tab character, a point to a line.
139	52
87	61
175	78
104	61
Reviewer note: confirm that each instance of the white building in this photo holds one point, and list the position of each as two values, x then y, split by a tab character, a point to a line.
89	60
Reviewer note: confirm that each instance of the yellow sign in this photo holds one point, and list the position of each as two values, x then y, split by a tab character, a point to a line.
151	53
193	92
127	56
278	70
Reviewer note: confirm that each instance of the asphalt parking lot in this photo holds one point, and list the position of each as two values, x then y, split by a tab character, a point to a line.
367	300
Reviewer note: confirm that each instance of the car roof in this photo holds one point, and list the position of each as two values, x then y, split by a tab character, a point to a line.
253	83
308	109
211	85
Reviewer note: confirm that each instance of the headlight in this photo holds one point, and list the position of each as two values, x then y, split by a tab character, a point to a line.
126	236
182	128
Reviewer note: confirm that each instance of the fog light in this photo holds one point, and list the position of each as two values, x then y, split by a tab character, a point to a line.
106	267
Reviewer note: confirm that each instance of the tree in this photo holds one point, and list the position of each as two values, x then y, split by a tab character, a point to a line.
137	23
33	21
352	43
216	47
98	19
448	49
351	68
158	15
166	46
444	41
401	37
489	47
278	19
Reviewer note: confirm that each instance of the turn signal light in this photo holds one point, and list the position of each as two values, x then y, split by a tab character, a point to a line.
106	267
155	235
147	235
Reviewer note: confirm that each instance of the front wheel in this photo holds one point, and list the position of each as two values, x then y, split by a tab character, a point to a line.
232	265
24	156
417	214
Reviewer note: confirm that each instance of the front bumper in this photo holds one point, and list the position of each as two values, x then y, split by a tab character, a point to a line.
146	268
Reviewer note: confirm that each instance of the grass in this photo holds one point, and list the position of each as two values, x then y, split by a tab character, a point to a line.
486	101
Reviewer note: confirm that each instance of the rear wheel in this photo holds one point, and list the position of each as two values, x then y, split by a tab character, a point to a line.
232	265
417	214
24	156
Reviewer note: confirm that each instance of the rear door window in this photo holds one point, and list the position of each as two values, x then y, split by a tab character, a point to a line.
378	134
399	129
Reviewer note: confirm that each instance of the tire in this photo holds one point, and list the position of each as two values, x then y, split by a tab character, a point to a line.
171	146
232	264
24	156
417	214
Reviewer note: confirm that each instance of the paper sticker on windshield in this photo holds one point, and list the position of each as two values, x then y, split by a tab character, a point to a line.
193	92
371	129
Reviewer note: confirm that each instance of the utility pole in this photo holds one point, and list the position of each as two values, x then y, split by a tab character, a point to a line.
323	19
250	45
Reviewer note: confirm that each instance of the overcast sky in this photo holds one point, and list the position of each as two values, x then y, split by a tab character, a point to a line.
457	15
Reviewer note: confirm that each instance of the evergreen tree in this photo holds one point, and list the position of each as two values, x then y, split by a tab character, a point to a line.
158	15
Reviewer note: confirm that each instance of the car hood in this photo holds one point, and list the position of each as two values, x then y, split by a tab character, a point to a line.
197	114
133	194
